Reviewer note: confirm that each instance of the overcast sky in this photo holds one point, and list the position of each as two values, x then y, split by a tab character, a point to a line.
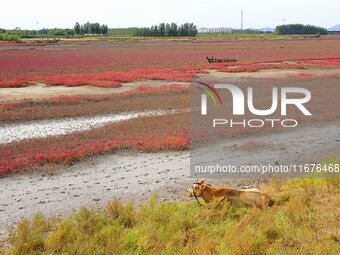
204	13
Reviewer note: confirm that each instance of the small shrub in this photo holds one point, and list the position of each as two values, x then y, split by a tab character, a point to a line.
9	37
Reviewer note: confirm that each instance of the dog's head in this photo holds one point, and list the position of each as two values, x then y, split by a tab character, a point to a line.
197	188
190	192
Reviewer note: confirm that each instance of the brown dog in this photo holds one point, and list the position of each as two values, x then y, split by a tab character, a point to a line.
232	196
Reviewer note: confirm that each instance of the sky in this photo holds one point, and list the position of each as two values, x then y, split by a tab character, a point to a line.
136	13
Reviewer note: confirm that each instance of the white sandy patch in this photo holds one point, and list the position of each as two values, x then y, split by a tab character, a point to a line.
44	128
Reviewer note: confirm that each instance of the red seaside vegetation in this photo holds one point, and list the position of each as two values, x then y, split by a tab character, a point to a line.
141	98
109	65
105	66
147	134
115	79
106	79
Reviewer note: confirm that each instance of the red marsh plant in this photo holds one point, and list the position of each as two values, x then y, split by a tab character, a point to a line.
108	65
141	98
148	134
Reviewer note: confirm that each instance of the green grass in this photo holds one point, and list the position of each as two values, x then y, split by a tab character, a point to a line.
9	37
245	36
304	220
201	36
115	38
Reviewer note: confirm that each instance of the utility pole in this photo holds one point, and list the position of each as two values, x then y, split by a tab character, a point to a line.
37	25
242	20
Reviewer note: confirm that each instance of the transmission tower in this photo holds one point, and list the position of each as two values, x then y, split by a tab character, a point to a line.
242	20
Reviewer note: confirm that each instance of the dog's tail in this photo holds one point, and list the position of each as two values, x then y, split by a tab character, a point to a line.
268	201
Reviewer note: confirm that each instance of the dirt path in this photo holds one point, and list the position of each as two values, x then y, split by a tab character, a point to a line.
44	91
134	177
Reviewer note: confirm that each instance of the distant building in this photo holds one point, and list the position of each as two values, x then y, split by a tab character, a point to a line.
215	30
267	30
334	30
203	30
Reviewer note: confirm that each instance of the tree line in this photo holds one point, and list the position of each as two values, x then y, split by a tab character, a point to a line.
87	28
299	29
161	30
77	30
90	28
167	30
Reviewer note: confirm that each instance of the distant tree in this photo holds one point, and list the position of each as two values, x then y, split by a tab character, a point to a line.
68	32
147	32
86	27
61	32
192	29
186	29
300	29
161	30
27	33
96	28
173	29
91	28
43	31
167	32
104	29
77	29
181	30
155	31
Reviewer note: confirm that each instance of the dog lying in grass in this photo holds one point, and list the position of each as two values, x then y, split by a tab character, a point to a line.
232	196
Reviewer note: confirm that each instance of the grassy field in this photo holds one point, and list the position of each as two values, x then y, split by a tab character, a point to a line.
127	35
252	36
304	220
